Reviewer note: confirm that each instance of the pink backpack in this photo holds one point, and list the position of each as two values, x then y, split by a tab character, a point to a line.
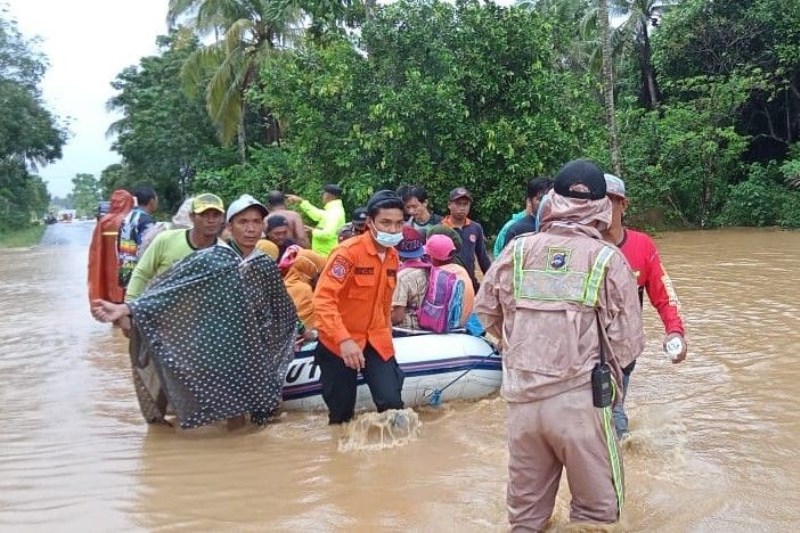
440	309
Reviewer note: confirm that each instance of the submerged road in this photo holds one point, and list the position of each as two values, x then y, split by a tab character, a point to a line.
714	445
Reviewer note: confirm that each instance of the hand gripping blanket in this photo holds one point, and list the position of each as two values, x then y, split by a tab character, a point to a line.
220	333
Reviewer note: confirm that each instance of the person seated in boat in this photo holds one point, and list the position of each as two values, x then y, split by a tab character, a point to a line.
441	252
414	276
412	280
301	269
441	229
277	231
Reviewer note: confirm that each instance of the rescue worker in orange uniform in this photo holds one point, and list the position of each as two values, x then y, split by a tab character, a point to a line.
353	302
103	262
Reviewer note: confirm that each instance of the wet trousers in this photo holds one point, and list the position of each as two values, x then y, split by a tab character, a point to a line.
564	431
340	383
620	416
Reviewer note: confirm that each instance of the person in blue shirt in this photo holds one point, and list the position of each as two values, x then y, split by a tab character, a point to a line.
132	229
536	188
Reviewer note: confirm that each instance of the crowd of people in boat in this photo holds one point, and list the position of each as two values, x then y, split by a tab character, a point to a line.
562	297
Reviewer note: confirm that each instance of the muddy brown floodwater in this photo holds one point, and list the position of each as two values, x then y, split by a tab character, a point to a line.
715	445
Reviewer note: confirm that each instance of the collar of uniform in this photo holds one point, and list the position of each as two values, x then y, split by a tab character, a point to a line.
572	228
369	243
447	222
332	204
370	246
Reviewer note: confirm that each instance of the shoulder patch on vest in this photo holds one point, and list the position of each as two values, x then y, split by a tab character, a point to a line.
340	268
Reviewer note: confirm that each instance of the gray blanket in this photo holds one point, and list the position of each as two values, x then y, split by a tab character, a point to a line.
218	333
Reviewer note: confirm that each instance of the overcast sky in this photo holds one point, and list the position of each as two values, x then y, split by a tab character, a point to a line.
88	42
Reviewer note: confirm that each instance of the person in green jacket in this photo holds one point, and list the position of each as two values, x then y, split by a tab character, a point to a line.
329	219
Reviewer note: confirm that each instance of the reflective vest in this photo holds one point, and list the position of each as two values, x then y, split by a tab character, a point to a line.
558	282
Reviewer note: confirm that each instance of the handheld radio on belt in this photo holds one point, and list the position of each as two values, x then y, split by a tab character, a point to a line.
602	387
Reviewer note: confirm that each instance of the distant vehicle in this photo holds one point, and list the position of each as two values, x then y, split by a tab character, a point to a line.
103	208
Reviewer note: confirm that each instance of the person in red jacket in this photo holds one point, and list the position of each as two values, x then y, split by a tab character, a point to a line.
651	276
103	263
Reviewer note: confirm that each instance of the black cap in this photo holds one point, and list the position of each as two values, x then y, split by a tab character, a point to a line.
581	172
360	216
383	199
333	189
460	192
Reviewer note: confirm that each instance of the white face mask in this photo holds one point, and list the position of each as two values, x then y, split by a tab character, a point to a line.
388	240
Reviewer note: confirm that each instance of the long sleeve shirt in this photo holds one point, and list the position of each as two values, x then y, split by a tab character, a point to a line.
353	298
167	248
651	276
473	246
330	220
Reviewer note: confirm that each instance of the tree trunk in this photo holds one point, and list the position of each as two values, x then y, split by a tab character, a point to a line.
648	72
241	137
608	87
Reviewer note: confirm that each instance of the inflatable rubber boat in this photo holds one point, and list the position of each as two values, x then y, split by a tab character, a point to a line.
437	368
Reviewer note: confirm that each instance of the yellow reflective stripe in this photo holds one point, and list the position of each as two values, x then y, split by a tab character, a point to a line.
518	267
110	233
596	276
613	456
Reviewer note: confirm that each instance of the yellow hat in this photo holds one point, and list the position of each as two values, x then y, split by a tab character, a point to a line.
206	201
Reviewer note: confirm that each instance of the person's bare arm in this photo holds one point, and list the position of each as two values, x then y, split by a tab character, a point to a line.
398	314
104	311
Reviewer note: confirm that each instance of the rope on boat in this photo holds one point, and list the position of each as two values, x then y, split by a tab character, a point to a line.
435	396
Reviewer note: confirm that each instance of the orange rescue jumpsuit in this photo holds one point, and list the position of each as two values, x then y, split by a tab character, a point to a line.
353	300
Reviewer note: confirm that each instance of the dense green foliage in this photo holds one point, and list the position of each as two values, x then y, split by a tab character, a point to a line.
707	101
463	95
29	134
85	194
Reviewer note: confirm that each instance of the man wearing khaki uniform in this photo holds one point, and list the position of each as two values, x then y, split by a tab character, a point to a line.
544	297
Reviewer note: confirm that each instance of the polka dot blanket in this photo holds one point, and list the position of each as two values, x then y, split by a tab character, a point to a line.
221	332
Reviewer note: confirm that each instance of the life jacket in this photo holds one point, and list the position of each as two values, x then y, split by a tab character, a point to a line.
440	308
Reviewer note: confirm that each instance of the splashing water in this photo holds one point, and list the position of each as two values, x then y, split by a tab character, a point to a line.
380	431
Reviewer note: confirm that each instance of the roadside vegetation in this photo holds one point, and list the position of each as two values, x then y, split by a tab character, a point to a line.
30	135
22	237
695	102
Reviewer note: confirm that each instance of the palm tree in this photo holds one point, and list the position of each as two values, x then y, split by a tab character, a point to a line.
636	19
639	17
572	53
608	86
252	31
